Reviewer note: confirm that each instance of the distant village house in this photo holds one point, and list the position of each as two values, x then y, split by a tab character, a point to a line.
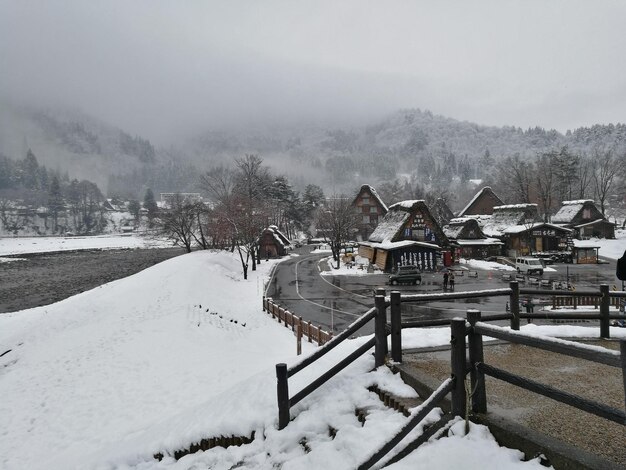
371	210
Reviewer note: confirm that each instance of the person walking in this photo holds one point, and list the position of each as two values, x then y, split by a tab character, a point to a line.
445	280
451	280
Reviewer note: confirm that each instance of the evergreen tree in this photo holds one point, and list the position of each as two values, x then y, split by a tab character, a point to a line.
134	208
55	201
149	203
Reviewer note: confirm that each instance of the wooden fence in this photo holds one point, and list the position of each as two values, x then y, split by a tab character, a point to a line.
574	302
459	363
296	323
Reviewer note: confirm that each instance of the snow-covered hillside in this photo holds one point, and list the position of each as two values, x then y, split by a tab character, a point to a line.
182	352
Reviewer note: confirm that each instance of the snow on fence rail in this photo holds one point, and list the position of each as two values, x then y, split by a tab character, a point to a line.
299	326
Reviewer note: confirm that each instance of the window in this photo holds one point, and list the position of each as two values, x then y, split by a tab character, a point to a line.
365	201
586	213
374	209
366	219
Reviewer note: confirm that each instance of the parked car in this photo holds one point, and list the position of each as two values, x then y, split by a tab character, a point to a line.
529	265
405	275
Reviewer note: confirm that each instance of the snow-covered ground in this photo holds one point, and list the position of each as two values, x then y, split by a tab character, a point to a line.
612	249
182	351
358	266
24	245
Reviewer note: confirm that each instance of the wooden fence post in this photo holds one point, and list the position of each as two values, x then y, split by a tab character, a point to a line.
282	391
622	347
299	338
514	301
380	334
264	303
479	395
308	329
396	327
604	311
457	362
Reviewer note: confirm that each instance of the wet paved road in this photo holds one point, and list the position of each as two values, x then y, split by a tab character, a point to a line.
335	301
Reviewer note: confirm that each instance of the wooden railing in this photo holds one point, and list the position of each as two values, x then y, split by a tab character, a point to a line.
604	298
479	369
459	369
283	373
298	325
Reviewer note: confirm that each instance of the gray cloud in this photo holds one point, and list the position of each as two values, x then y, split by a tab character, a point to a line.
163	69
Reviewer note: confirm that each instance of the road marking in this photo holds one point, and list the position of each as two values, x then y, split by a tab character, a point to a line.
337	287
315	303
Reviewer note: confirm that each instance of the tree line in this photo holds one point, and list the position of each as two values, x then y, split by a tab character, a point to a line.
63	203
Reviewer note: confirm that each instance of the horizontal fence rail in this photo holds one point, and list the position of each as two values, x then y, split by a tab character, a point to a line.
561	346
590	406
353	328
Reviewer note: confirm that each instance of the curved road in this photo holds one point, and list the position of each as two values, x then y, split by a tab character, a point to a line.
334	302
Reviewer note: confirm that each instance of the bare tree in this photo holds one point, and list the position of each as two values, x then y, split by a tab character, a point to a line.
219	184
178	221
337	221
544	181
606	168
584	177
516	175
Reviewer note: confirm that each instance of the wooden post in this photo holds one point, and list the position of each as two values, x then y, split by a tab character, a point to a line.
288	318
299	338
457	362
379	328
514	301
319	335
396	327
479	395
574	303
264	303
309	331
282	389
604	311
622	347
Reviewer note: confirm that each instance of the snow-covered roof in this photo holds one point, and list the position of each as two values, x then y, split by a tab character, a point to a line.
513	206
389	245
597	221
374	194
507	216
389	225
277	235
408	204
569	209
377	197
479	242
577	201
524	227
453	230
586	244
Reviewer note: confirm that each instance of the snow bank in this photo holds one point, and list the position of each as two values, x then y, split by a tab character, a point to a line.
24	245
180	352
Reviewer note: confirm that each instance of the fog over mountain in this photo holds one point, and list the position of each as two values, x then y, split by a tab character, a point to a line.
193	84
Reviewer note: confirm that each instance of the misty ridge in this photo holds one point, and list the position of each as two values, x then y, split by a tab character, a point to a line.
408	147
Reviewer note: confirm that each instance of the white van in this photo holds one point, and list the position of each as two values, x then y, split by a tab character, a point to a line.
529	265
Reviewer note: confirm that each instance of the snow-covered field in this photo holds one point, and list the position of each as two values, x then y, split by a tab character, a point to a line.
24	245
180	352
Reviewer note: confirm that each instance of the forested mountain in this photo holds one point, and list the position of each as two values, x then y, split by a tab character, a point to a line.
412	146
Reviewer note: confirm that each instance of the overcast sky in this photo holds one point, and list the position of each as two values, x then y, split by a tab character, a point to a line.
161	69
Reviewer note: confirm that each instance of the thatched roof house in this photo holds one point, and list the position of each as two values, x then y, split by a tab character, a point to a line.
483	203
407	235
